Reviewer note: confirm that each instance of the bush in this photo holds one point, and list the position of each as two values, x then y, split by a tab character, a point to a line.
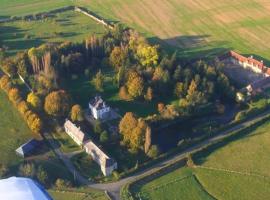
42	176
153	151
23	107
3	170
5	83
104	137
14	95
62	184
27	170
97	127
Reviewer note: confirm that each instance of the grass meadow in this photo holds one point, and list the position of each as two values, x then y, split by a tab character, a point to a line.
237	169
66	26
197	28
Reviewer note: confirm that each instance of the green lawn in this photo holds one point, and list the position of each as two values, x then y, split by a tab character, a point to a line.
79	194
179	184
66	26
13	132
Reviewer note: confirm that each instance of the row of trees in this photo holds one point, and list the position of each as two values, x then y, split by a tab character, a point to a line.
33	120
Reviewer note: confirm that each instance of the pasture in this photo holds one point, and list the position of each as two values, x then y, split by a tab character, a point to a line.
66	26
236	168
197	28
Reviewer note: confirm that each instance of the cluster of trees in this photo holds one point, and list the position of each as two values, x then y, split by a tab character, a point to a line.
26	109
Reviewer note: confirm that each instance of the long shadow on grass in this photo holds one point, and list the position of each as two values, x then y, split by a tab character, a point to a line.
191	47
202	155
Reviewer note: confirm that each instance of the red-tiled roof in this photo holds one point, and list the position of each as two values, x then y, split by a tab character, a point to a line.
249	60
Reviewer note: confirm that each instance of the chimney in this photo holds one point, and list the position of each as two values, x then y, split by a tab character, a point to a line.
251	56
261	61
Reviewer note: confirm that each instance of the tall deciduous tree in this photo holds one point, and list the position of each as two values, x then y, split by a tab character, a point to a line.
76	113
57	103
34	101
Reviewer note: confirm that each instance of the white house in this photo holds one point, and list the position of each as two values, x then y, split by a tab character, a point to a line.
107	164
74	132
98	108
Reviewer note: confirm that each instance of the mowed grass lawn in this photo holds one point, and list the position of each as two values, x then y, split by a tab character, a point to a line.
13	132
65	26
238	169
180	184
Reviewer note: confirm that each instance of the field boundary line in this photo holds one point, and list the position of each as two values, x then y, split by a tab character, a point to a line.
232	171
202	187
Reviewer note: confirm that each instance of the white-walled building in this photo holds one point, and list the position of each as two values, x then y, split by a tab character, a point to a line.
98	108
107	164
74	132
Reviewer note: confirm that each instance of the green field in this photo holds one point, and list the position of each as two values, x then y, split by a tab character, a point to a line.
237	169
80	194
65	26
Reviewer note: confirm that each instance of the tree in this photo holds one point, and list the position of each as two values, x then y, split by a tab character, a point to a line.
97	127
135	85
104	137
23	107
3	170
147	55
57	103
161	107
9	67
27	170
34	122
149	94
14	95
98	81
118	57
76	113
42	176
62	184
153	152
34	101
5	83
133	131
194	97
179	90
123	94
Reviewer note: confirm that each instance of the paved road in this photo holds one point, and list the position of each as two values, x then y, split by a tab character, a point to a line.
113	189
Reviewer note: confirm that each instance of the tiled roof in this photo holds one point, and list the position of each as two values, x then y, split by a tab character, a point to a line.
75	130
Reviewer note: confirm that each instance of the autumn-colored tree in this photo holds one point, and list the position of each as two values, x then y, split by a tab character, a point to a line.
118	57
14	95
34	101
123	94
135	85
148	139
57	103
9	67
98	81
179	90
76	113
161	107
5	83
133	131
148	55
34	122
23	107
149	94
194	97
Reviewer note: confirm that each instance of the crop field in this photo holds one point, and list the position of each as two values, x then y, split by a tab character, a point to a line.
238	169
65	26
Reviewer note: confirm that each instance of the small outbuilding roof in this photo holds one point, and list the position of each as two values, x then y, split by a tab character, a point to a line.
28	147
98	103
19	188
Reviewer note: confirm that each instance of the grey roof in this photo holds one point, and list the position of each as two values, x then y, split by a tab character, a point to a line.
76	131
28	147
109	162
260	84
98	103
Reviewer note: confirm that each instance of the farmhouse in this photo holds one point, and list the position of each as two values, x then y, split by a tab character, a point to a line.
107	164
74	132
258	77
98	108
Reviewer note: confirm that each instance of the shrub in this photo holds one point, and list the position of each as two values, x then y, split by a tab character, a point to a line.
62	184
153	151
34	101
27	170
104	137
14	95
23	107
3	170
42	176
5	83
